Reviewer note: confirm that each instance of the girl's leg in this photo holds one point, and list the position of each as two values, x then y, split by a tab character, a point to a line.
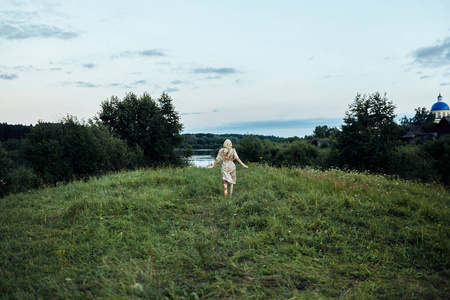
231	188
225	184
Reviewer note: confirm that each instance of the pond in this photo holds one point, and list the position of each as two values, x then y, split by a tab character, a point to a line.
202	158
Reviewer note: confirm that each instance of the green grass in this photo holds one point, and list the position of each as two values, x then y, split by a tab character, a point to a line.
170	233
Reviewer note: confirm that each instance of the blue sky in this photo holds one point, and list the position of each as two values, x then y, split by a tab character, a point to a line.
264	67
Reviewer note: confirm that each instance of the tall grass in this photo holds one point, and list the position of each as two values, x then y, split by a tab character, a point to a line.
285	233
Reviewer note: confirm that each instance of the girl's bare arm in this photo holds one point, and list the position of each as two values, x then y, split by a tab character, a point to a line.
215	163
240	161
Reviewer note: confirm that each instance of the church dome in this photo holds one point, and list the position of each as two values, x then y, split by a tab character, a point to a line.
440	106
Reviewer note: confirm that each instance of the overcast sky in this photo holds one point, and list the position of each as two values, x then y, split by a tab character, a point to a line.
253	66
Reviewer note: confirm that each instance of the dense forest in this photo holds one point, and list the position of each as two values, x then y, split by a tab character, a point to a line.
141	132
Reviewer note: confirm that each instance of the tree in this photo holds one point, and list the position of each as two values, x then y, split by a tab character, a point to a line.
153	126
5	165
251	149
324	131
297	154
173	127
369	135
422	117
69	149
43	149
439	151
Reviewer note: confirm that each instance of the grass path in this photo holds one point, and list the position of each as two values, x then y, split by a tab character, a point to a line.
170	233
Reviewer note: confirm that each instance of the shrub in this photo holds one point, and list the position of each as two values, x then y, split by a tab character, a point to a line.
5	165
439	151
412	162
250	149
297	154
68	150
23	179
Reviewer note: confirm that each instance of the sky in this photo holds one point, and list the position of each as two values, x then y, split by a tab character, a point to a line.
252	67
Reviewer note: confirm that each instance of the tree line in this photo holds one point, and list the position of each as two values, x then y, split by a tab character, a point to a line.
127	133
370	140
136	132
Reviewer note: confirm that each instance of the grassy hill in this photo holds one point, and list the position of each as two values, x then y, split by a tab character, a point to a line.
170	233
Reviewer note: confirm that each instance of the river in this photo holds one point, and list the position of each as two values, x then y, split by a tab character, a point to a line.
202	158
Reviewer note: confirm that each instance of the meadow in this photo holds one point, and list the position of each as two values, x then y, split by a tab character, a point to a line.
172	234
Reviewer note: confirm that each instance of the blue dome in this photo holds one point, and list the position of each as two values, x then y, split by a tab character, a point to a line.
440	106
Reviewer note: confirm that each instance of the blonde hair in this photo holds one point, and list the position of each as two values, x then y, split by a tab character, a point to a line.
227	150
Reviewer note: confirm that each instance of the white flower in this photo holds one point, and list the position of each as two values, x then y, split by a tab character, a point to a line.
137	286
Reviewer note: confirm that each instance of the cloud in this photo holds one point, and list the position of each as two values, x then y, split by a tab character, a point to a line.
80	84
219	71
433	56
89	66
445	83
176	81
154	52
122	85
140	82
8	76
171	90
144	53
213	77
425	77
11	31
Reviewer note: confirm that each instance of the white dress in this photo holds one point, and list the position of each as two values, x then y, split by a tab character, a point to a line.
228	167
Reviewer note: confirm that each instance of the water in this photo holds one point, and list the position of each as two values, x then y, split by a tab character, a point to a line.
202	158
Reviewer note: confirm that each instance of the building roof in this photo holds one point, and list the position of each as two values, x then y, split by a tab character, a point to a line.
416	131
440	106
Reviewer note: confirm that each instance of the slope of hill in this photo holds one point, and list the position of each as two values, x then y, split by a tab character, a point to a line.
285	233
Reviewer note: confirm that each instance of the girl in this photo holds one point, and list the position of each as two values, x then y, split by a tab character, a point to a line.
227	155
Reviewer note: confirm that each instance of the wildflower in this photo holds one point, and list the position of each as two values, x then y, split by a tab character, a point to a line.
137	286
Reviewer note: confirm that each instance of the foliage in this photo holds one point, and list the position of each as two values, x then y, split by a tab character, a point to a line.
67	150
251	149
23	179
299	154
369	135
422	117
412	162
214	141
170	234
5	166
143	122
439	151
8	131
324	131
116	154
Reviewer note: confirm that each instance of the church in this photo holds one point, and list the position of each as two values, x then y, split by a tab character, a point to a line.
440	110
421	133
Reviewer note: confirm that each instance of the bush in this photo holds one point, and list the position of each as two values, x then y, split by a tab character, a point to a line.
23	179
412	162
250	149
297	154
5	165
70	150
439	151
115	152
